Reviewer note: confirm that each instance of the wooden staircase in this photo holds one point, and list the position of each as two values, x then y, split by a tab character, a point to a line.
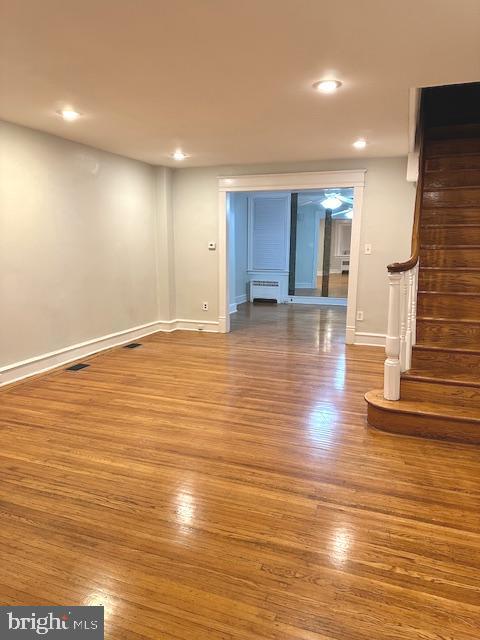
440	393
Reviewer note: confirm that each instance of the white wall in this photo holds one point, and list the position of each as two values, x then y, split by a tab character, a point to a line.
79	230
387	220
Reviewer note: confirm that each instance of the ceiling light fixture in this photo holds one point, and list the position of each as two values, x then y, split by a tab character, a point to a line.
69	115
327	86
179	155
331	202
361	143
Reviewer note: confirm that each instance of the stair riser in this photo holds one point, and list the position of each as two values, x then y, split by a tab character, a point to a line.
450	216
448	281
448	334
450	257
440	392
453	163
450	235
468	197
452	147
448	306
440	179
446	361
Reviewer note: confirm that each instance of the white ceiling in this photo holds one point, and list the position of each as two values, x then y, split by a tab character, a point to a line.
230	80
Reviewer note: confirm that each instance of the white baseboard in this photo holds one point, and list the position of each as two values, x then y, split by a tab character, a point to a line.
208	326
47	361
369	339
232	307
241	299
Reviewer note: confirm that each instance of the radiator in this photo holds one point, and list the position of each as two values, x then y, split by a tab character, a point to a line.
265	289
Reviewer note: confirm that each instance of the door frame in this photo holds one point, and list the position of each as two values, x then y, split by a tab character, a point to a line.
290	182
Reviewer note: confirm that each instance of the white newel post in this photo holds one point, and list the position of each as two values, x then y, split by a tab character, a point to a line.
391	389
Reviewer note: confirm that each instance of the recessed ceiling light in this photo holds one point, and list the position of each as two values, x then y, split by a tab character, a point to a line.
361	143
327	86
179	155
69	114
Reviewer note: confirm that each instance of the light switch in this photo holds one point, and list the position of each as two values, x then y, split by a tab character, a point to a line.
212	246
368	249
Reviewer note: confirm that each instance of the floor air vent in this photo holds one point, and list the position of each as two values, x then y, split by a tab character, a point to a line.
77	367
133	345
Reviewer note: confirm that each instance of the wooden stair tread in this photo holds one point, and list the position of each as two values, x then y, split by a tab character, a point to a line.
448	320
451	164
461	378
452	225
429	292
423	408
451	154
458	187
444	247
427	268
436	347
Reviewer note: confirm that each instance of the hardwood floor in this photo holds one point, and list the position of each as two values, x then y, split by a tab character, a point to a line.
209	486
338	287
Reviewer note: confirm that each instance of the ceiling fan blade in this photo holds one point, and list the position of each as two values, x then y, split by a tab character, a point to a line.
342	212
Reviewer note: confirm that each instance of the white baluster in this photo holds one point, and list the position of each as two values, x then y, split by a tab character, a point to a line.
391	390
410	276
414	304
403	320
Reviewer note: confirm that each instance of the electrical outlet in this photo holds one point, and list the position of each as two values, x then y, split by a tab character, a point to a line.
359	316
205	306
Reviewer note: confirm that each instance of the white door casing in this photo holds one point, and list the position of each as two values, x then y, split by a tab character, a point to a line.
290	182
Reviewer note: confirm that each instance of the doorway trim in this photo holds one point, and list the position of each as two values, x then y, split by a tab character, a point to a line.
290	182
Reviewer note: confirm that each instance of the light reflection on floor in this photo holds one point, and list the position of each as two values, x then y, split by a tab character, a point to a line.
340	546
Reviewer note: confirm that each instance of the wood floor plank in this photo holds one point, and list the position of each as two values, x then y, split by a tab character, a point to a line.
209	486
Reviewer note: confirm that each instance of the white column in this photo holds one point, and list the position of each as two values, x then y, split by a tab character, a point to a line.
391	390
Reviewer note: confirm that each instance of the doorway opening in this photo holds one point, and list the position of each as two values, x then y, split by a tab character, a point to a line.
278	230
320	239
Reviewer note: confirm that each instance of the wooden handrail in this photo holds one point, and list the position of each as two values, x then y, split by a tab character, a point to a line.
398	267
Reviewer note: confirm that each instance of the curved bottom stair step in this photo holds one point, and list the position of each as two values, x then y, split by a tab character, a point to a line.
424	419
